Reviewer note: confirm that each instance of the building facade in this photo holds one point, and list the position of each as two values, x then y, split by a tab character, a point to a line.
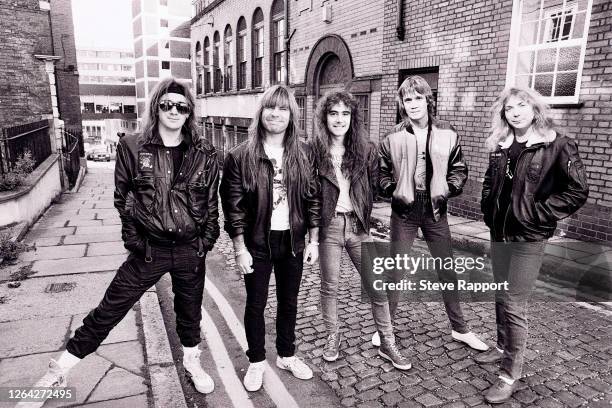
161	44
108	94
470	51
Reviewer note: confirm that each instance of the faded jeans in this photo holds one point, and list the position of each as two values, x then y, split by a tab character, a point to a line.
518	263
344	232
404	229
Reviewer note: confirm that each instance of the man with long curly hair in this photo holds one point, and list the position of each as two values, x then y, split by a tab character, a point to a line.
166	181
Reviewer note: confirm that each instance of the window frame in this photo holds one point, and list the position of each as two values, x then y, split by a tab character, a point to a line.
257	45
241	54
544	22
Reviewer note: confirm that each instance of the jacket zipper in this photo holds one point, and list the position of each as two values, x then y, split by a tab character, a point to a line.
518	161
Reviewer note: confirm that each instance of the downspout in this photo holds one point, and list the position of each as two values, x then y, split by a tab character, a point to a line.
400	31
287	41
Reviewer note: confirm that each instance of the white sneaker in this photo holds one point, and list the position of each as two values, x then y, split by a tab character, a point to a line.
55	377
376	339
194	372
253	379
470	339
298	368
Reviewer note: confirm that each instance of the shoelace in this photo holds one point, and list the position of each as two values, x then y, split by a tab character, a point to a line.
395	350
331	340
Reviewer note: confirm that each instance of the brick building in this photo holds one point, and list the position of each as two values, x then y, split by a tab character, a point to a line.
469	51
161	44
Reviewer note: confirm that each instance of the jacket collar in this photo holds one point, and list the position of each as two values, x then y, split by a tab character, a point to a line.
548	136
156	138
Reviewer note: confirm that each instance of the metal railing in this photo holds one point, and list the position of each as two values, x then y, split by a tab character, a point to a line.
15	140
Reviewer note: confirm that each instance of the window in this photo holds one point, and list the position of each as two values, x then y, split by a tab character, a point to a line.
302	105
278	42
216	67
548	42
242	134
165	65
88	107
258	48
227	59
163	2
241	53
198	64
207	82
364	108
163	23
129	108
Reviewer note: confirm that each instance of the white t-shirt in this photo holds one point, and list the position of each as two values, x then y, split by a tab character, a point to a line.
280	206
344	199
421	165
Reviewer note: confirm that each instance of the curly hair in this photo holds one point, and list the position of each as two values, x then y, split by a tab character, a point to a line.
355	141
501	129
151	120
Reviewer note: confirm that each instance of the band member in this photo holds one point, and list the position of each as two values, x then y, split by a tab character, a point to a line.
534	179
166	182
421	167
270	200
348	174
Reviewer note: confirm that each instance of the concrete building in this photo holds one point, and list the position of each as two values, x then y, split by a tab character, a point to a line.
161	44
108	94
470	51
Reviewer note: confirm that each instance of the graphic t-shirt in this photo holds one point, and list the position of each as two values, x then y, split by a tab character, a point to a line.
280	206
344	200
420	181
505	197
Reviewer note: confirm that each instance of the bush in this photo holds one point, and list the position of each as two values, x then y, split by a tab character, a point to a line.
17	176
10	249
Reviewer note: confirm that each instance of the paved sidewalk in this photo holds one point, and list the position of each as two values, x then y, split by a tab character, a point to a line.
78	249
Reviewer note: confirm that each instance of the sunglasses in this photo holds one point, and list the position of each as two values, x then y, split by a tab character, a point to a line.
181	107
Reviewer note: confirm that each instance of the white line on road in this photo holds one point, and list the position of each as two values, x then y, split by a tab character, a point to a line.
272	383
227	372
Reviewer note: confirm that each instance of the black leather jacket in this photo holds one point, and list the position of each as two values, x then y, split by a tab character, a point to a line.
155	208
456	176
364	182
250	213
549	184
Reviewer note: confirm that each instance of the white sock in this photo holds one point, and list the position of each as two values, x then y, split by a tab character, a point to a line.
507	380
190	351
67	360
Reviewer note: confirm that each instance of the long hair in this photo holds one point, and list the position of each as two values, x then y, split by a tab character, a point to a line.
151	119
354	141
414	84
294	166
501	129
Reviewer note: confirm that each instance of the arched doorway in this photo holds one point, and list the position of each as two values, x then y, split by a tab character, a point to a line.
330	66
332	75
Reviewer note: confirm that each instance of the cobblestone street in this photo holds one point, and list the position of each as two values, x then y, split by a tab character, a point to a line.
568	359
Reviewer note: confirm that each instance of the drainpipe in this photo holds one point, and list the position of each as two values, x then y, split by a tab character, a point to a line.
287	42
399	23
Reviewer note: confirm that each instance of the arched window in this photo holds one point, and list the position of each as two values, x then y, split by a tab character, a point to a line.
198	65
241	58
277	42
216	66
257	48
207	82
228	64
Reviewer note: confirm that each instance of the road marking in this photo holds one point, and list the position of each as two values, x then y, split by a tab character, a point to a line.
227	372
272	383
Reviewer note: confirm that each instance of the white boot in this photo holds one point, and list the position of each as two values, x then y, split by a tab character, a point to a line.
55	377
193	370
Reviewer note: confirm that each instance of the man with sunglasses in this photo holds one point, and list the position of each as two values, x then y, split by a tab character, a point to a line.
166	181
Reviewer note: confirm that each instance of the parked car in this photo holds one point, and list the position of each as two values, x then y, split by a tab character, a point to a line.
99	155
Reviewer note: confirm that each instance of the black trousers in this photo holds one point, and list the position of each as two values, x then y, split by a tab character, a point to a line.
288	274
132	280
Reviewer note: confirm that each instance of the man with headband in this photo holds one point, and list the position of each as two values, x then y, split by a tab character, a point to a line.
166	182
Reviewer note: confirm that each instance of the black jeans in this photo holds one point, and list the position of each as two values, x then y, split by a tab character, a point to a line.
404	229
519	264
132	280
288	274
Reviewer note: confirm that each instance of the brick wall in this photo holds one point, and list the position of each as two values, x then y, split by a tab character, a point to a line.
468	42
24	86
67	76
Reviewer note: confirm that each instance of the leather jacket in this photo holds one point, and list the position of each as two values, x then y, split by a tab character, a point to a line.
549	184
249	213
456	175
156	209
364	181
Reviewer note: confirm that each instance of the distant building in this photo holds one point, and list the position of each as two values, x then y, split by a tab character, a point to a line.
161	44
108	94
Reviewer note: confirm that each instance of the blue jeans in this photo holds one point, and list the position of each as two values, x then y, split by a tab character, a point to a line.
344	232
404	229
288	275
519	264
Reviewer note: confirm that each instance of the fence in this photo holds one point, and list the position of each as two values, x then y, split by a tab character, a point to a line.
15	140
